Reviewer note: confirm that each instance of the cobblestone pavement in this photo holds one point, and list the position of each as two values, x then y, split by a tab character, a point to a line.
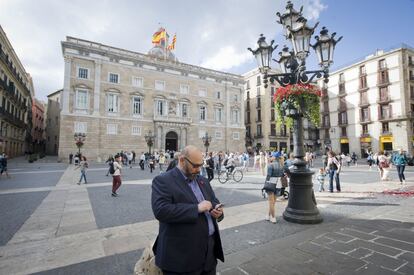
50	225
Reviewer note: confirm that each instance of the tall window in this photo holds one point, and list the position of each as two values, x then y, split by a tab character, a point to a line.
258	101
259	115
113	101
385	111
248	84
235	116
365	114
259	129
364	97
343	131
137	106
184	109
273	129
365	129
218	95
202	113
362	70
258	82
383	93
218	114
161	108
159	85
385	127
83	73
137	81
113	78
136	130
81	99
382	65
236	98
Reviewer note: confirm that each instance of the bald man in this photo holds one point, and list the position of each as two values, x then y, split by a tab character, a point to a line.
187	209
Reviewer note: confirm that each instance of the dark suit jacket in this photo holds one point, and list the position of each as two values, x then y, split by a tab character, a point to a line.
182	240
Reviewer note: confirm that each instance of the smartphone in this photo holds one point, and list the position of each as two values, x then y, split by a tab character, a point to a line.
220	205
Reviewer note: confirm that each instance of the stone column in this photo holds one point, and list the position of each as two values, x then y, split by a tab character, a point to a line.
66	85
97	88
179	140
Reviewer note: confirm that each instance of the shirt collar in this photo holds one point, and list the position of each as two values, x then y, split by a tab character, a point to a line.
186	179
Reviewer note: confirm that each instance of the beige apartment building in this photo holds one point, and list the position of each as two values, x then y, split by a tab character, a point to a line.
262	132
53	122
117	96
369	105
16	93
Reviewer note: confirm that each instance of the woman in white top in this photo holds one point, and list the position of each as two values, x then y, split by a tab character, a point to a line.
333	168
83	165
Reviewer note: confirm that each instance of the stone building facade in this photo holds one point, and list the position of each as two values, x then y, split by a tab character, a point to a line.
53	122
369	105
117	96
262	131
16	93
38	126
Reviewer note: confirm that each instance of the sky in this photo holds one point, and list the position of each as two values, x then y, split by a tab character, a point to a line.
210	33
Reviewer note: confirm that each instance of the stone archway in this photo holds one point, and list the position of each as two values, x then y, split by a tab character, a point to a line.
171	141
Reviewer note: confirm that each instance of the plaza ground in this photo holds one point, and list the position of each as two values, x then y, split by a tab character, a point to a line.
51	225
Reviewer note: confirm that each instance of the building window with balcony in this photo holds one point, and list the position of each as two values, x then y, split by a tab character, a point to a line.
382	65
385	111
283	130
341	78
184	109
383	93
218	95
184	89
363	97
362	70
248	117
235	116
342	103
137	106
365	129
137	82
326	121
247	95
364	114
83	73
202	111
342	118
161	108
159	85
258	103
113	103
385	128
113	78
326	106
259	115
218	115
273	129
343	131
81	99
383	77
258	91
248	84
258	82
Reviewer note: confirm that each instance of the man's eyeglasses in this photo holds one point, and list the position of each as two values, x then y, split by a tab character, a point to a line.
195	165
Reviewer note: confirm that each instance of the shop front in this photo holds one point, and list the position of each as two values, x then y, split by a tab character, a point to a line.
386	143
365	146
344	145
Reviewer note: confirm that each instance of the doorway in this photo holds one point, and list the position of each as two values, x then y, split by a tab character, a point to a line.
171	141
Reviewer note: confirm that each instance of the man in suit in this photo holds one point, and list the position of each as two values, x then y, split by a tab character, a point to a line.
184	203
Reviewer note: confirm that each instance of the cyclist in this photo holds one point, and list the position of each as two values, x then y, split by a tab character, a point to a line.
230	164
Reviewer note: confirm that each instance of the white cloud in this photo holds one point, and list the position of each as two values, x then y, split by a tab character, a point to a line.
212	33
226	58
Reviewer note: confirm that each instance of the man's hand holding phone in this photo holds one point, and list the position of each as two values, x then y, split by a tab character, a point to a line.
217	211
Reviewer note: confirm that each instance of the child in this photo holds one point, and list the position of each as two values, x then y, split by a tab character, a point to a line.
321	179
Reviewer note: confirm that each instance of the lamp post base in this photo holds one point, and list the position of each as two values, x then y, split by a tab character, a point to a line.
302	205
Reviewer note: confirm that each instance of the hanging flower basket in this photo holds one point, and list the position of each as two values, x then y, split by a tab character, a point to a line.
297	99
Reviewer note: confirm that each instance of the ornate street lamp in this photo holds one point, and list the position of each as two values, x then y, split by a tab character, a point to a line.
206	141
79	140
302	205
149	139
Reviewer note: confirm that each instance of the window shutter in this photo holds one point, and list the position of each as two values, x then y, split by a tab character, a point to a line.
379	112
390	111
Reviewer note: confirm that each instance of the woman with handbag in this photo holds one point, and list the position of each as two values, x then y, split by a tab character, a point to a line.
384	165
274	172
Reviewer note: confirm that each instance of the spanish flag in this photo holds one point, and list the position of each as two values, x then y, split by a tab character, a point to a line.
159	36
172	45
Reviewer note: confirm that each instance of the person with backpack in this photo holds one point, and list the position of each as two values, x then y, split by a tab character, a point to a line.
142	161
115	171
210	167
110	161
333	168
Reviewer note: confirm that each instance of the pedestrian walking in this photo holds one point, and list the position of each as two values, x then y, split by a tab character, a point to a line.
370	160
70	158
142	161
174	162
110	162
210	167
354	159
151	163
383	165
400	161
274	172
3	163
83	166
334	168
188	241
161	162
116	175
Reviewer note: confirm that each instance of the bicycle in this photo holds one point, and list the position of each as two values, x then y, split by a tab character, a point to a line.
225	176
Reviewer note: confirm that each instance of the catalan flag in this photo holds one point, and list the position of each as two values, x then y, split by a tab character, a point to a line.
158	36
172	45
